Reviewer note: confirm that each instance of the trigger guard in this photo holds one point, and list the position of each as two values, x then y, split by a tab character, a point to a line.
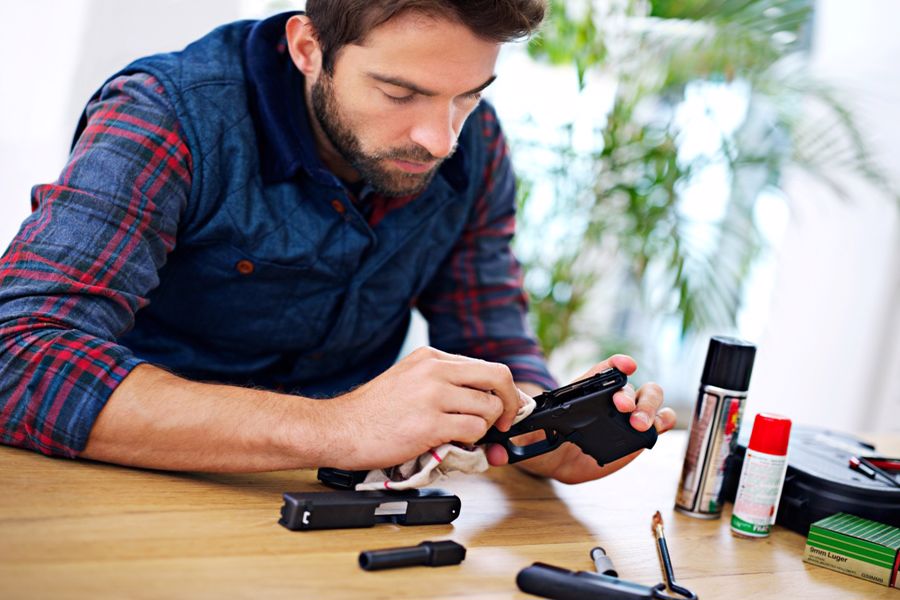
516	453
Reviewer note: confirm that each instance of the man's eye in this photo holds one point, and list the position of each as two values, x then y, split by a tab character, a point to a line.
399	99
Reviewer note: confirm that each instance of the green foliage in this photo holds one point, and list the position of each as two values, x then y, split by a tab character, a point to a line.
620	204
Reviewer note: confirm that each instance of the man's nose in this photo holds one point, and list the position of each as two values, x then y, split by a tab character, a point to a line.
436	132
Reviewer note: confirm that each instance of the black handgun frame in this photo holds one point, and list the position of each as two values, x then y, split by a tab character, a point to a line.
564	412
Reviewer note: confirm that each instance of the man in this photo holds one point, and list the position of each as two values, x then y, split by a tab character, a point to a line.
243	226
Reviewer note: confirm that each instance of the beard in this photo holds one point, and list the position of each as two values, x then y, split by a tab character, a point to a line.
372	167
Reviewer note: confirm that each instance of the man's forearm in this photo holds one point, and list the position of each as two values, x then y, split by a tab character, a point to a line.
158	420
155	419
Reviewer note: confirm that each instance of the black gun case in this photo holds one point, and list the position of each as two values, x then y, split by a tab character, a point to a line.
819	481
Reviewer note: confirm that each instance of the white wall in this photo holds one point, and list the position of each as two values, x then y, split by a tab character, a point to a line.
55	53
40	44
830	355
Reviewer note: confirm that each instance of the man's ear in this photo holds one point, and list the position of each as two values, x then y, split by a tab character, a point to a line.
303	46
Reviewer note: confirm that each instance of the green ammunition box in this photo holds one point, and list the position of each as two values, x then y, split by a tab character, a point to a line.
859	547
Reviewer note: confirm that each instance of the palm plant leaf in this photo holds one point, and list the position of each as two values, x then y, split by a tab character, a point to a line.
630	194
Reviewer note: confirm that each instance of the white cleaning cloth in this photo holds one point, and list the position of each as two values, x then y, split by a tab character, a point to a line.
434	464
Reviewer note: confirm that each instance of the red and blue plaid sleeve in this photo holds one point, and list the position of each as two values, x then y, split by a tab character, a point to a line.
476	305
82	264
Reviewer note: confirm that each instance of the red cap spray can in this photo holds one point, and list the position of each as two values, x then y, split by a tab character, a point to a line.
762	477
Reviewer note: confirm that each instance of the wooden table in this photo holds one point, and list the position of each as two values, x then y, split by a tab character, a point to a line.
76	529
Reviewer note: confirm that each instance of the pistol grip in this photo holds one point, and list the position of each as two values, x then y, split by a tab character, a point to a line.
613	439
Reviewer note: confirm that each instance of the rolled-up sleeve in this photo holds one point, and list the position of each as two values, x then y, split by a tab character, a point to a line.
83	263
476	304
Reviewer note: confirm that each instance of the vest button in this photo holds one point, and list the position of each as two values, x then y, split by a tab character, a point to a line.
244	267
338	206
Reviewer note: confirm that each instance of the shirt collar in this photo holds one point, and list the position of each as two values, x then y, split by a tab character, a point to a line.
278	107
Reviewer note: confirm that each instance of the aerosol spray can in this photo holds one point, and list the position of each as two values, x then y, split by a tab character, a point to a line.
714	426
762	476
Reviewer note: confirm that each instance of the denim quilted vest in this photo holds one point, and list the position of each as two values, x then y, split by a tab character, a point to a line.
276	278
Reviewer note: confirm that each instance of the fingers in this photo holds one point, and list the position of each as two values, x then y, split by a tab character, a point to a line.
465	372
625	399
496	455
665	420
427	398
649	399
427	352
622	362
464	428
487	376
468	401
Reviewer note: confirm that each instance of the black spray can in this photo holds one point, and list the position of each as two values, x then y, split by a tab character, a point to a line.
714	426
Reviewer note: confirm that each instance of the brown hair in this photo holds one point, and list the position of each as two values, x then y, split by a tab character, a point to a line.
342	22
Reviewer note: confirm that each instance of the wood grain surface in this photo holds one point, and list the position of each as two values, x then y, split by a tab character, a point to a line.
78	529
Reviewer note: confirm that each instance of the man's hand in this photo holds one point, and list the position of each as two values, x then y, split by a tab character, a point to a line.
427	399
568	463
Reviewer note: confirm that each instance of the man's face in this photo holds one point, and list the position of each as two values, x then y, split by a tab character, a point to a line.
394	107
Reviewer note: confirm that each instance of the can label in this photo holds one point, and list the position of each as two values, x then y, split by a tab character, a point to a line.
759	490
713	436
712	495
